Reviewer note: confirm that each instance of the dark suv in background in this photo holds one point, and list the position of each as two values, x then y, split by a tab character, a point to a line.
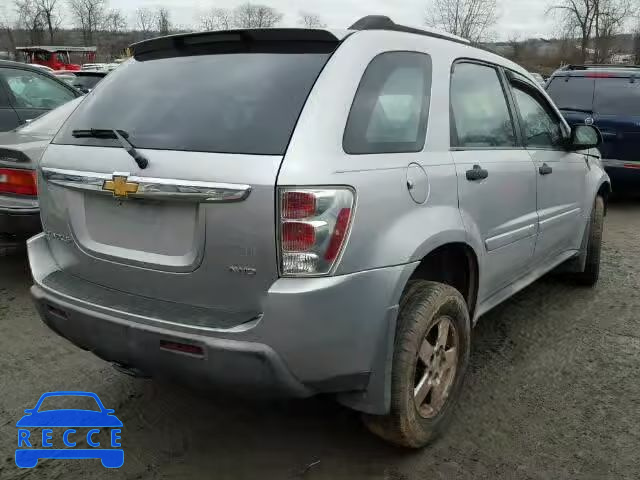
607	96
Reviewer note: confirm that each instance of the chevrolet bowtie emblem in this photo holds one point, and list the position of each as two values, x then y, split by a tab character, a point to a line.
119	186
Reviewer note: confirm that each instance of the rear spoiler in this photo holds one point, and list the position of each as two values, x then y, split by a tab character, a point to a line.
272	40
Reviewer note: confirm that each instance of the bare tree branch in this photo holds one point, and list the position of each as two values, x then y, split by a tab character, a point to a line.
593	18
49	12
145	21
89	16
30	18
470	19
249	15
163	22
216	19
311	20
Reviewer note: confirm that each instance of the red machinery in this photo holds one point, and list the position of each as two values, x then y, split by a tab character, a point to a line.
58	58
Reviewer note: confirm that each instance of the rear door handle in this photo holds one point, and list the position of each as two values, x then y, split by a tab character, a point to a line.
545	169
477	173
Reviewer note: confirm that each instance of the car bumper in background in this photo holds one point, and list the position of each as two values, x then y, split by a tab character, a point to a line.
624	175
330	334
16	225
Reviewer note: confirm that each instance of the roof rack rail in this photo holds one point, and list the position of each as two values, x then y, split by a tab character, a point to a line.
381	22
588	66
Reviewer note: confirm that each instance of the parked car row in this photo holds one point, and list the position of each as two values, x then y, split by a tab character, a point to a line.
608	97
20	151
306	211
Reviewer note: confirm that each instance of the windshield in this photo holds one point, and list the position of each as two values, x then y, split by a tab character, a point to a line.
572	92
227	103
50	122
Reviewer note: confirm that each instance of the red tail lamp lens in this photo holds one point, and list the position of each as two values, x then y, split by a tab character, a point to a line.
20	182
297	205
297	236
339	234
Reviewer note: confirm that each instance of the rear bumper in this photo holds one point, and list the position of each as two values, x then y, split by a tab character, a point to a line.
332	335
19	224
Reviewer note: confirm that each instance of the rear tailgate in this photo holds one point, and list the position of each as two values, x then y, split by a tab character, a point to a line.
213	114
617	115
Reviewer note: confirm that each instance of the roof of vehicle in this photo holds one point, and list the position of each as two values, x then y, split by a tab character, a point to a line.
52	49
372	23
597	70
25	66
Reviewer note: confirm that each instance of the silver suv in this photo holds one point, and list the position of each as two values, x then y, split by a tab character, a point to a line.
295	212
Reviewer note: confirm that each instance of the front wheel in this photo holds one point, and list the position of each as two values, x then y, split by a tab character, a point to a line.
430	360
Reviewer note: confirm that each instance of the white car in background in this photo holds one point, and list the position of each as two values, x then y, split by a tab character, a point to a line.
538	78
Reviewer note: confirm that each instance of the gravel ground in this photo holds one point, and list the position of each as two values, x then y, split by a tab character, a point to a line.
553	393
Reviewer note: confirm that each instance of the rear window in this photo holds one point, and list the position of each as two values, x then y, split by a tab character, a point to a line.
617	96
50	123
246	103
572	92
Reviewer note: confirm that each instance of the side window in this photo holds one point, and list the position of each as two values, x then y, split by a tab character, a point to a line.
32	90
541	127
390	110
480	115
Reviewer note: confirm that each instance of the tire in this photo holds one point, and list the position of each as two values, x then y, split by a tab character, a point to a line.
589	277
424	308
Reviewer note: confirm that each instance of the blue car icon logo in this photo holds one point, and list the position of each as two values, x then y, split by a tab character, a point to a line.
70	428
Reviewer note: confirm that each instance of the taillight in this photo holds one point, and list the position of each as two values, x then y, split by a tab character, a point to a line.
314	224
19	182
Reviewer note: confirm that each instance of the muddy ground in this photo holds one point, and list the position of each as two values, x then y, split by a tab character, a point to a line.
553	393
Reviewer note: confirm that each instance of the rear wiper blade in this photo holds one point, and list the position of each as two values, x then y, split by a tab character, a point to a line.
571	109
119	135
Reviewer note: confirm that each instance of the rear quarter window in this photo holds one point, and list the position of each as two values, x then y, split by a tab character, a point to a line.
617	96
245	103
572	92
390	109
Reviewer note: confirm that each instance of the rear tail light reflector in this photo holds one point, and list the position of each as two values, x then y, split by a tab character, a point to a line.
297	236
313	227
297	205
338	235
19	182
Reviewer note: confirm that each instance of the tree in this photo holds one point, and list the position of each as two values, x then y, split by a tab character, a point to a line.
30	18
89	16
602	18
114	22
163	23
49	11
470	19
610	16
255	16
577	15
216	19
145	21
311	20
5	26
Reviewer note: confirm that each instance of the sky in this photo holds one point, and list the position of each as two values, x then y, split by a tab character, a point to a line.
519	18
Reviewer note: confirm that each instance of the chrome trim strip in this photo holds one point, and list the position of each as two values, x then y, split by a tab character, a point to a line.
550	221
151	188
510	237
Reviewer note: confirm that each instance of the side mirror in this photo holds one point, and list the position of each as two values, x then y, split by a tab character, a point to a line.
584	137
